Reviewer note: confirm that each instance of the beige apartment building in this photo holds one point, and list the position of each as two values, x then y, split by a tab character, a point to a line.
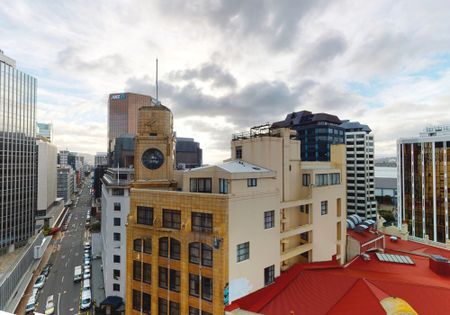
199	239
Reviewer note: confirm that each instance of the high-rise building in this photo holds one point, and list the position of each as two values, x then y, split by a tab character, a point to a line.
115	210
45	131
123	151
123	115
18	153
101	158
198	239
63	158
359	143
47	178
65	183
423	172
188	153
316	132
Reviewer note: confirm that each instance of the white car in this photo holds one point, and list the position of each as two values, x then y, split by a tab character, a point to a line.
87	275
50	306
85	302
31	305
39	282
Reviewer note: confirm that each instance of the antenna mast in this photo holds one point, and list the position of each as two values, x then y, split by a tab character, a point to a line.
157	100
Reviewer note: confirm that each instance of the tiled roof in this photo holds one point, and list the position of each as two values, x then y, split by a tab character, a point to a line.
361	287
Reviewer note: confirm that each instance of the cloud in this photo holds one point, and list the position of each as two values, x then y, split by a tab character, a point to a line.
208	72
322	52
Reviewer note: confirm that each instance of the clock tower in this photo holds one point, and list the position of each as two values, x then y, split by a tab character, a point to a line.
154	153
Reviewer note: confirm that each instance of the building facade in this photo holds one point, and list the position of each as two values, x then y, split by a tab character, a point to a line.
188	153
359	144
316	132
423	191
65	183
197	240
45	131
18	153
47	177
101	158
115	210
123	115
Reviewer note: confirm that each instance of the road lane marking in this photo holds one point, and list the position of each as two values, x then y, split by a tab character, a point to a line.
66	264
59	298
62	279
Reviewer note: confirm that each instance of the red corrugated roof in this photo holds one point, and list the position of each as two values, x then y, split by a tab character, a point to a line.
355	289
364	237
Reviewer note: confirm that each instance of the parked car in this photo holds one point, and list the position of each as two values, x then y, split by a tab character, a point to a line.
31	305
50	306
39	282
85	302
87	275
46	270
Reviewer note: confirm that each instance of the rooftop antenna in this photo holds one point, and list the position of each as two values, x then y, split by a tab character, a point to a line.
157	99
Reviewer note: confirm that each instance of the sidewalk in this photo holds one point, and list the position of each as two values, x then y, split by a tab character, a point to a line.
98	283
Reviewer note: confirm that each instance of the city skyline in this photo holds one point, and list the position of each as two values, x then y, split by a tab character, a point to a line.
243	64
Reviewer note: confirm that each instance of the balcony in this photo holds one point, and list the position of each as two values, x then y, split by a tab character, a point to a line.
292	252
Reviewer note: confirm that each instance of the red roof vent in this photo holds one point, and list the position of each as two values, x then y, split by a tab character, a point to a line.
440	265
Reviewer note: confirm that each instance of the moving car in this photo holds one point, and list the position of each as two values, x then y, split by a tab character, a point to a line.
85	302
50	306
39	282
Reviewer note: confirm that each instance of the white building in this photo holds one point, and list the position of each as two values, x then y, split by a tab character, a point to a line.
115	210
47	155
360	170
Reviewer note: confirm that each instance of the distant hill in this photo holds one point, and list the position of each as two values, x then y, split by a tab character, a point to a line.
386	162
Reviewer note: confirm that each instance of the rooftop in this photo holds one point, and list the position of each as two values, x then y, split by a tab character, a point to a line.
235	166
360	287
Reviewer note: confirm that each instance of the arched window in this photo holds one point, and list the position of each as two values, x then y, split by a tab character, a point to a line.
174	248
200	253
137	245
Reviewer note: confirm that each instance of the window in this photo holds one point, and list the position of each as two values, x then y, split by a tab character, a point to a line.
174	308
196	311
243	251
117	192
321	179
144	215
116	259
194	285
251	182
172	219
207	288
162	306
335	179
175	248
136	300
147	246
146	303
269	274
116	206
116	221
202	222
137	245
116	287
116	237
137	272
174	280
147	275
116	273
238	152
323	207
162	275
223	186
306	179
199	252
200	185
269	219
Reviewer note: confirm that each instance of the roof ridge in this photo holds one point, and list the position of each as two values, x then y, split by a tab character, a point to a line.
379	293
343	295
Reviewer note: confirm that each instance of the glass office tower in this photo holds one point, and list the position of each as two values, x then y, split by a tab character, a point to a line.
18	157
423	173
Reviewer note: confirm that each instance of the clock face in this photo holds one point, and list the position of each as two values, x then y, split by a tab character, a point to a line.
152	158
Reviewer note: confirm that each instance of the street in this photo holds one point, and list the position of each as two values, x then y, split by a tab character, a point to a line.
68	254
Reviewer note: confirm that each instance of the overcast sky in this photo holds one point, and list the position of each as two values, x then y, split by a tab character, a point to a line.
231	64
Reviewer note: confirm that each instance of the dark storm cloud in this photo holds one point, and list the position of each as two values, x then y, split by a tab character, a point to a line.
70	58
322	52
207	72
276	22
259	102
